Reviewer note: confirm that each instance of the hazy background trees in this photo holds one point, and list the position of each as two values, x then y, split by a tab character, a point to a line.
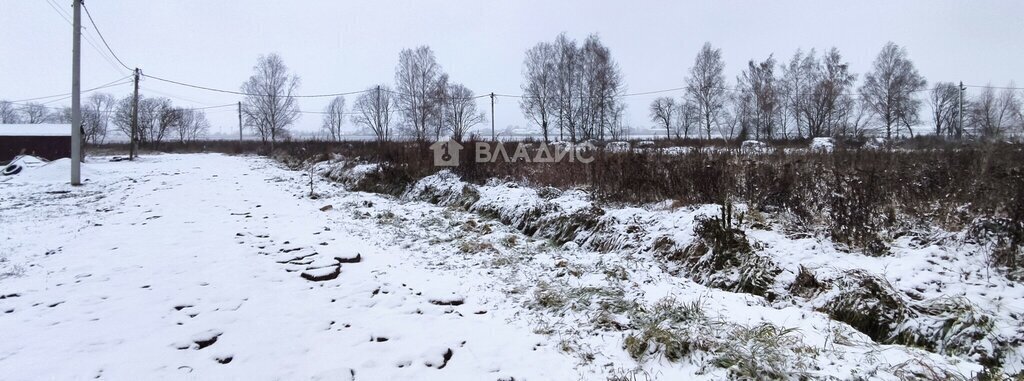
8	113
334	116
373	110
36	113
191	125
269	106
96	114
995	112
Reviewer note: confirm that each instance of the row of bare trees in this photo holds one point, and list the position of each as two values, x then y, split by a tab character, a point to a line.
159	119
427	103
573	87
96	112
812	96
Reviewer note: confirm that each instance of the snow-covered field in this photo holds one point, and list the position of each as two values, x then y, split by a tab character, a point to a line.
223	267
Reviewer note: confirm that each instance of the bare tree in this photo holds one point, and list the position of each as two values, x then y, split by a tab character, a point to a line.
602	84
663	112
460	110
796	79
166	119
439	97
334	116
122	117
944	99
416	84
688	119
539	86
269	106
568	92
373	110
96	115
191	125
827	100
157	117
706	85
890	86
8	113
761	93
995	114
35	113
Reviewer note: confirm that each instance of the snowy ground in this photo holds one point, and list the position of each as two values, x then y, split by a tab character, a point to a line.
213	267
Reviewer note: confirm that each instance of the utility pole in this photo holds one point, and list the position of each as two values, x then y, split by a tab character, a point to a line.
960	113
493	137
377	109
76	96
133	146
239	126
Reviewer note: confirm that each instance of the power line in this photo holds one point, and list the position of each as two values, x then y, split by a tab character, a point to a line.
103	39
108	84
996	87
87	38
250	94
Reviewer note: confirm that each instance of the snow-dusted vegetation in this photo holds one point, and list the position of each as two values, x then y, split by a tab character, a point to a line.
676	286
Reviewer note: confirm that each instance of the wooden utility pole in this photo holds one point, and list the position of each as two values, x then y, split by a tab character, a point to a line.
76	96
960	112
493	137
133	146
239	126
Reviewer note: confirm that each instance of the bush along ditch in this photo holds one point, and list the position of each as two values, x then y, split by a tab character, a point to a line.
711	245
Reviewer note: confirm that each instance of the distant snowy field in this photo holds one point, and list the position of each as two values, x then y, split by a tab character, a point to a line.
222	267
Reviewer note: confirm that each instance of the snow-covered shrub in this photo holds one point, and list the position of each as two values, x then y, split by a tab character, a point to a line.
954	326
511	204
823	145
722	257
617	147
444	188
866	302
751	147
1005	238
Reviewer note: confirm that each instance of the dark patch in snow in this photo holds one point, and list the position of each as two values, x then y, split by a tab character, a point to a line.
322	274
203	343
453	302
447	356
358	258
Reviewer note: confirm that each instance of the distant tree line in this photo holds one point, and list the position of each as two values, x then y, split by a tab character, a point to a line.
159	119
574	91
815	96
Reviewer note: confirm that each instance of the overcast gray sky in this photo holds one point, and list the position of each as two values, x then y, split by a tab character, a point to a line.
338	46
